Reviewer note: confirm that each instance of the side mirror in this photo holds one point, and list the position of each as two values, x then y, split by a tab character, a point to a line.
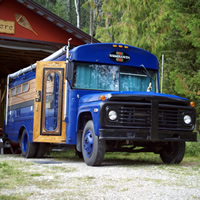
69	71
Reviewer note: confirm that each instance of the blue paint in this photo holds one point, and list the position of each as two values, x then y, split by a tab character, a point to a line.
99	53
22	79
88	143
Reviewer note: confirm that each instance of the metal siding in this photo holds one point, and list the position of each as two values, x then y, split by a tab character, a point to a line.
99	53
15	122
22	79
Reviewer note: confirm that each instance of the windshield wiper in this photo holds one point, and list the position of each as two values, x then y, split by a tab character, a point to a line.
149	88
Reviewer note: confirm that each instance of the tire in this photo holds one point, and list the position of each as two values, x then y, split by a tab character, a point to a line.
42	148
79	154
28	148
93	149
173	152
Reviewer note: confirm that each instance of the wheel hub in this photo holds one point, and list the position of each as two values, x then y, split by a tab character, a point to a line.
24	143
88	143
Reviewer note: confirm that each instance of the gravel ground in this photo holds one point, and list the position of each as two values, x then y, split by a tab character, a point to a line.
68	179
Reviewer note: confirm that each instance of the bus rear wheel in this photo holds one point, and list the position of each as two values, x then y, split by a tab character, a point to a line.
28	148
93	149
42	148
173	152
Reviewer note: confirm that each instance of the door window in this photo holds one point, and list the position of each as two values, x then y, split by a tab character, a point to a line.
52	101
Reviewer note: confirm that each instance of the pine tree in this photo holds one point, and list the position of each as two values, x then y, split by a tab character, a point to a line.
183	49
171	27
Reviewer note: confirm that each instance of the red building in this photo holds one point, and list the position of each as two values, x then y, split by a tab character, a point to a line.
28	33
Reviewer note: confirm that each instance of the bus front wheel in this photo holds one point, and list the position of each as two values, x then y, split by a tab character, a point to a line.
93	149
173	152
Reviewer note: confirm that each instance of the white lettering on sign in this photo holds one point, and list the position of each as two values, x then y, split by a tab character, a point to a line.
7	27
119	56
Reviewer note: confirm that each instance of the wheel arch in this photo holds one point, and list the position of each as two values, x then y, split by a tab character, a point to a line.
83	118
21	132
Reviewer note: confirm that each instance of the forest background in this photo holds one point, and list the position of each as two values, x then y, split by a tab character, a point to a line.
169	27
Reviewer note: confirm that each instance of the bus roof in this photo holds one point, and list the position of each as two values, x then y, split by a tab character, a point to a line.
112	53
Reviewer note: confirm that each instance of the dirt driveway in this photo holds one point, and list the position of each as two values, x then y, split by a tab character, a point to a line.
116	179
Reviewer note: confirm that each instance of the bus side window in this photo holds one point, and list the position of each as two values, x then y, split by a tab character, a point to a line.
25	87
12	92
18	89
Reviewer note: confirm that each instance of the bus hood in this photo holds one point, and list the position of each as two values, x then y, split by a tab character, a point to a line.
135	96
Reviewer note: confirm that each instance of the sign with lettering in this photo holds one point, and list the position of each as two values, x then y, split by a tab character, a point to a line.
119	56
7	27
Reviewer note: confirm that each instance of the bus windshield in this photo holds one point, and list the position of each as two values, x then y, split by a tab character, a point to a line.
114	78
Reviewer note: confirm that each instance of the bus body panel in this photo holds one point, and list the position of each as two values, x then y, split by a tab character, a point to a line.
98	53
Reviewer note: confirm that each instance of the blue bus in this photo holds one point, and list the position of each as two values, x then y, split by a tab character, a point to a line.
98	98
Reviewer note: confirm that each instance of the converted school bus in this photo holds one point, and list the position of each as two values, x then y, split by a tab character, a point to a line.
103	97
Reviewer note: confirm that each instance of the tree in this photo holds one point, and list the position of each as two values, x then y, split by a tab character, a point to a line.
110	30
138	23
69	10
94	7
77	7
171	27
49	4
182	46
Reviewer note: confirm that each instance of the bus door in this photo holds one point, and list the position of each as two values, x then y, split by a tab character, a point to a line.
49	124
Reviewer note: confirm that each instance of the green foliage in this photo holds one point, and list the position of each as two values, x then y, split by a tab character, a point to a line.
10	175
60	9
169	27
6	170
66	10
49	4
182	49
193	149
13	197
135	22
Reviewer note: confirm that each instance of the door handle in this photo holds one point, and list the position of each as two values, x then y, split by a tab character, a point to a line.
38	96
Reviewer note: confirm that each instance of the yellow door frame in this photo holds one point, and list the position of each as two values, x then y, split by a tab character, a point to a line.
40	133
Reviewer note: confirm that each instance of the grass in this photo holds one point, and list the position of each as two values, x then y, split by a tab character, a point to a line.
19	173
192	149
192	154
14	197
36	174
15	174
10	175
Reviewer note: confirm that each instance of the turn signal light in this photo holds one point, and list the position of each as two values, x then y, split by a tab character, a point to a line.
103	97
192	104
120	46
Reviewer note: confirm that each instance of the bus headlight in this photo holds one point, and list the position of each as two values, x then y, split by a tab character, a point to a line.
112	115
187	119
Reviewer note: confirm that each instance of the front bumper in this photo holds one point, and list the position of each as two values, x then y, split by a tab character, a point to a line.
146	135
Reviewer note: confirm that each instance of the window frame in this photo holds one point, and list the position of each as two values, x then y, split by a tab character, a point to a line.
21	89
156	79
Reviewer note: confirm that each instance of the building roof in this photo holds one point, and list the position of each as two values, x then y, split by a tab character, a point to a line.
24	47
61	23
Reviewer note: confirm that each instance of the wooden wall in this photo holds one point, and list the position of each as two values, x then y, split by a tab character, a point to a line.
23	96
